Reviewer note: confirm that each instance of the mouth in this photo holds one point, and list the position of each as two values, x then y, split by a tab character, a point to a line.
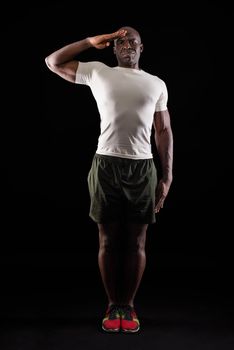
127	53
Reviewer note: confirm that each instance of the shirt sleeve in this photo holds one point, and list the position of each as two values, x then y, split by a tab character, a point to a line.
161	104
85	72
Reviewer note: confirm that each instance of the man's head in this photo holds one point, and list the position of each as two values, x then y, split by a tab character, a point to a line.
128	48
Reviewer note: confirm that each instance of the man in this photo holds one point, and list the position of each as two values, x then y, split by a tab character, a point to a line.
124	191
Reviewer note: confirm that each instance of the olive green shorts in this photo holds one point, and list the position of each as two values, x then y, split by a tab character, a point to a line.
122	189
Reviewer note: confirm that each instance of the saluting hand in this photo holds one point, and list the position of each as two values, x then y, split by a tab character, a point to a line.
102	41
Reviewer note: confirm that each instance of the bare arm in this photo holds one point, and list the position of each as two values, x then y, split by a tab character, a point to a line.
164	144
63	63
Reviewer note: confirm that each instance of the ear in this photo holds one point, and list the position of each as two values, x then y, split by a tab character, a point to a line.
114	49
141	47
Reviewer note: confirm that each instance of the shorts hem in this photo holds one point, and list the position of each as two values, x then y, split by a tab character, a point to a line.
122	219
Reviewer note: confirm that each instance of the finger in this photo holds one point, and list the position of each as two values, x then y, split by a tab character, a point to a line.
117	34
120	32
159	205
156	210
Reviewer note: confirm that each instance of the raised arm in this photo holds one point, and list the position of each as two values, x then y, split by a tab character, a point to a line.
164	144
63	63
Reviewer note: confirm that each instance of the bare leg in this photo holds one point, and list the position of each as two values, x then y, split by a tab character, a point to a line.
135	260
108	258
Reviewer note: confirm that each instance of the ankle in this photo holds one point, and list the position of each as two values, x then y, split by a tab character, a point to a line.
111	303
128	303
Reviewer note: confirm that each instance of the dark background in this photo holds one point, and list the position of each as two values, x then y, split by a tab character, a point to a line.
49	135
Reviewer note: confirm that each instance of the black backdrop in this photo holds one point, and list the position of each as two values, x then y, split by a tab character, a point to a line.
49	135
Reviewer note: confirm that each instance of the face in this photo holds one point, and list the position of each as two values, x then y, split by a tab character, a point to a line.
128	48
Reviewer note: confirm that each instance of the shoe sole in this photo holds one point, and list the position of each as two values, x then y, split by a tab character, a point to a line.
115	330
130	330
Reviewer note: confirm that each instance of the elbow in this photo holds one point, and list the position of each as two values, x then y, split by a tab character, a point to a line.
49	64
166	130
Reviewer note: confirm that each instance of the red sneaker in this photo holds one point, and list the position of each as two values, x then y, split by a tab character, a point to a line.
111	321
129	320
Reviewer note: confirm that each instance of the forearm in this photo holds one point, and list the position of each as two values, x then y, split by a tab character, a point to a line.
68	52
164	143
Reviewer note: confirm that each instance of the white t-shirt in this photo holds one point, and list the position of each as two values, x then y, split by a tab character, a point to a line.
127	99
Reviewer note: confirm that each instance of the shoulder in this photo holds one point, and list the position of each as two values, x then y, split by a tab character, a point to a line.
91	65
87	71
155	78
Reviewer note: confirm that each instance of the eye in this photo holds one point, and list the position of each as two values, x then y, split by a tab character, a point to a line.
120	42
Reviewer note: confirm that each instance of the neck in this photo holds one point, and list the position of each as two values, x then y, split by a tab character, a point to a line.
132	66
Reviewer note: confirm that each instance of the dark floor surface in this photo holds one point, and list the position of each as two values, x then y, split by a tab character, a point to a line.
58	316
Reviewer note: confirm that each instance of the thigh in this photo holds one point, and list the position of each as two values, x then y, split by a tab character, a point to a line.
104	190
139	191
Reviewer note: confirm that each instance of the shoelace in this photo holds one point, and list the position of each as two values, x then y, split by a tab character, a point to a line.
114	310
127	312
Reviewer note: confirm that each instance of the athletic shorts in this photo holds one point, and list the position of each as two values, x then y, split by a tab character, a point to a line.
122	189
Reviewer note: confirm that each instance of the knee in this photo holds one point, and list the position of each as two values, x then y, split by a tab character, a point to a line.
136	246
107	245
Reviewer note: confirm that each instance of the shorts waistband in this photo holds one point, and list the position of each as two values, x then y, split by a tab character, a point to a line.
120	159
